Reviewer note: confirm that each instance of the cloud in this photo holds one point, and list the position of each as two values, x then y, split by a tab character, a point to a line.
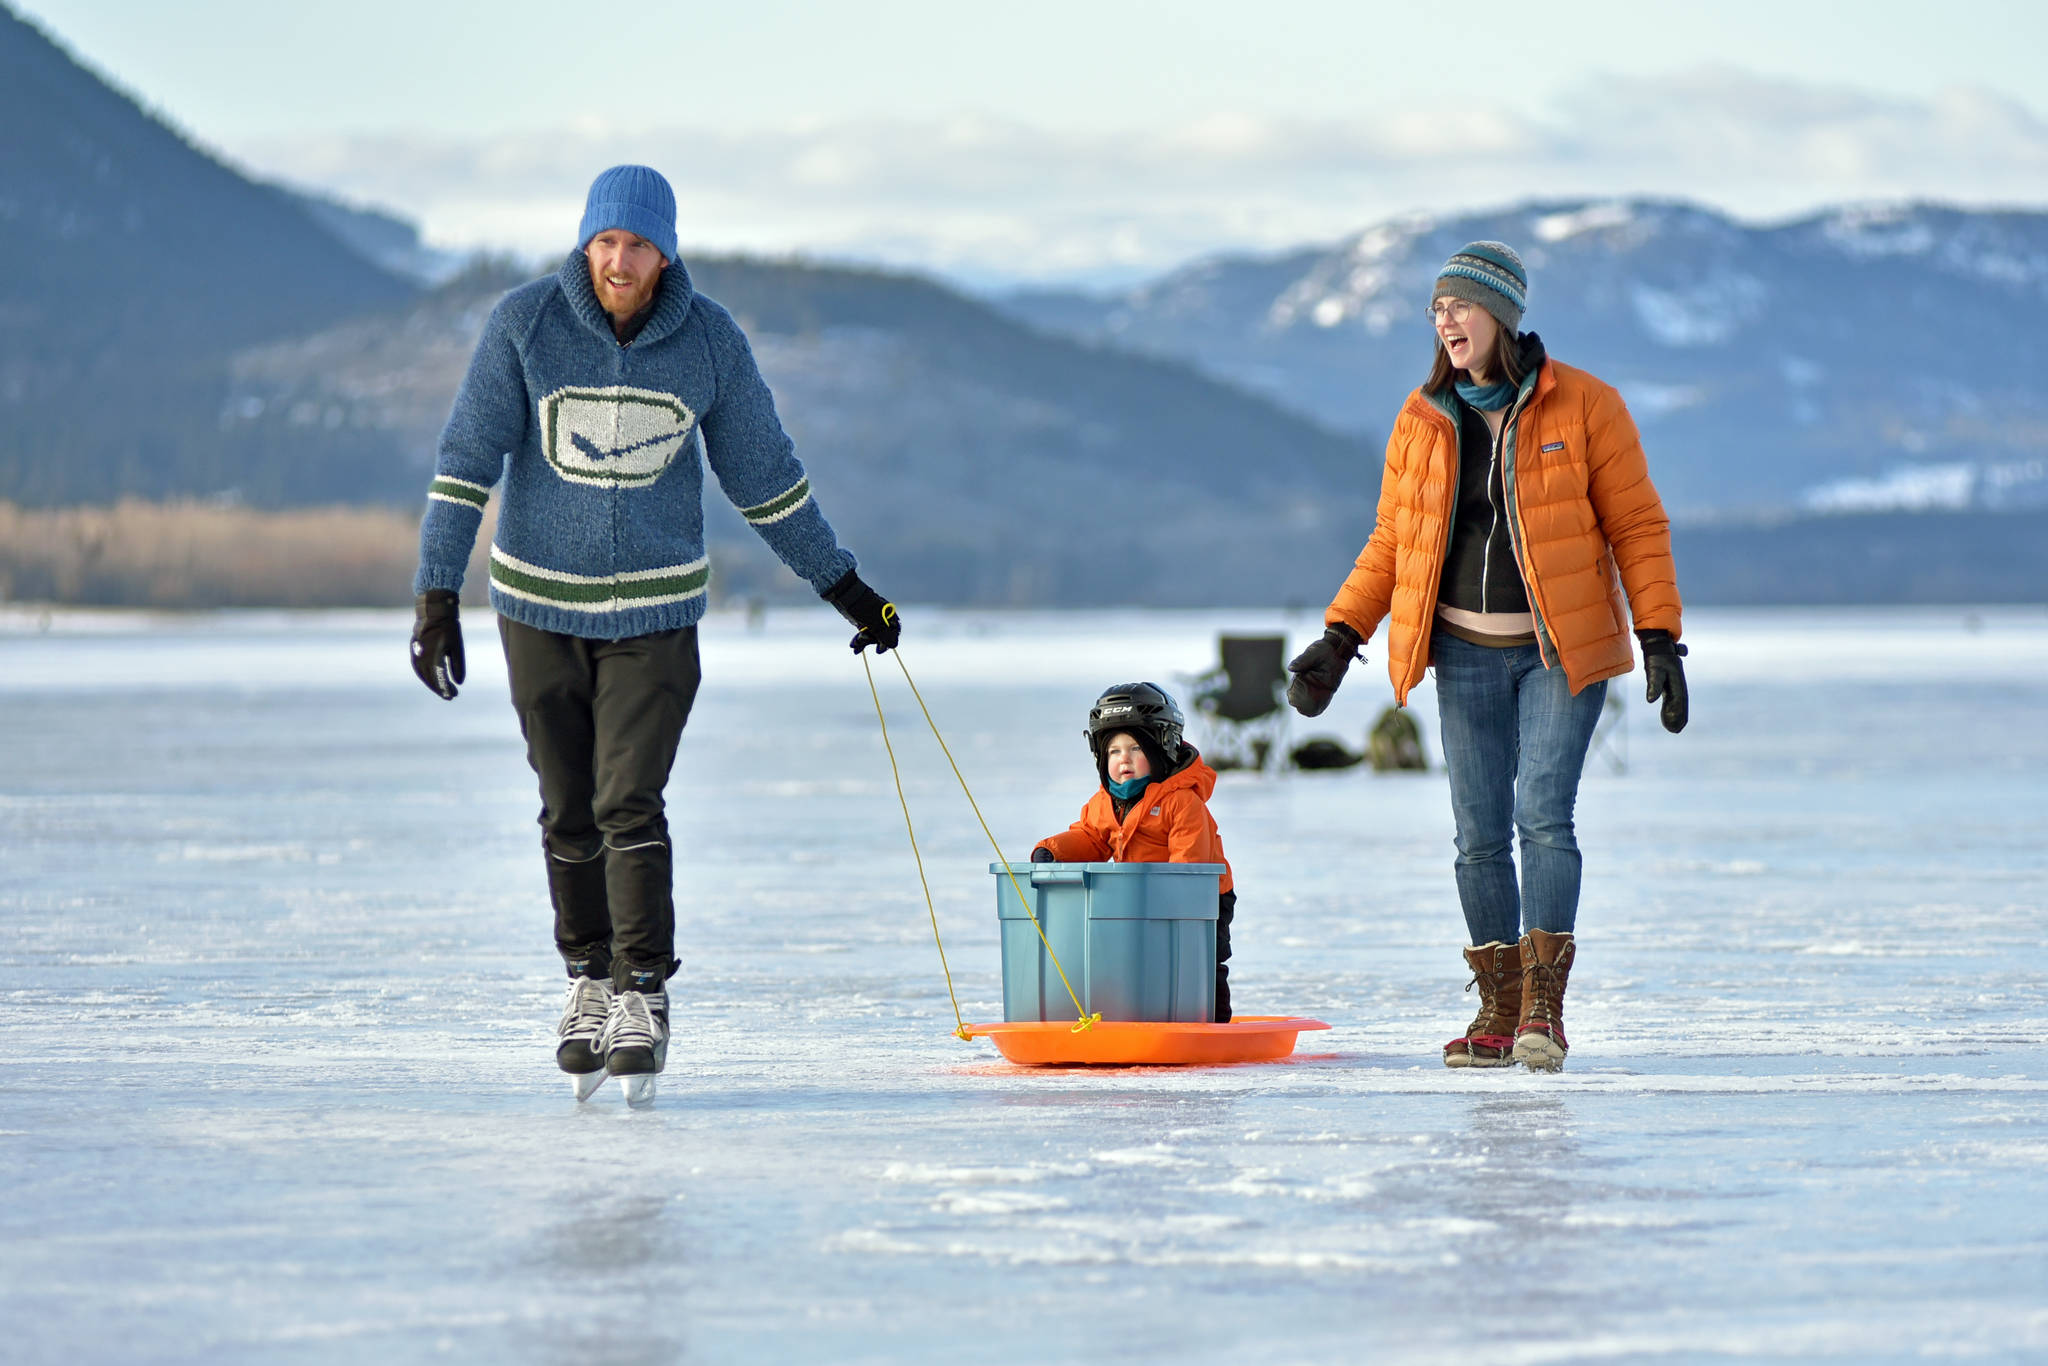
992	199
1781	145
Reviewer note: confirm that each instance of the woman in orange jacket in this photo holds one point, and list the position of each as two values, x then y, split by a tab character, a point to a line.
1152	805
1518	541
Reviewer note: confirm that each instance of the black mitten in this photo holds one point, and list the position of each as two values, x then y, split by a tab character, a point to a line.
1320	668
1666	677
876	616
437	641
1044	855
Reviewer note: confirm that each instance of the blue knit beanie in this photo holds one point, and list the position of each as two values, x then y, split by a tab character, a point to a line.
635	198
1488	274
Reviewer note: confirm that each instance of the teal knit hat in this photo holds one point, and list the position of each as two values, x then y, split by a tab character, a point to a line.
635	198
1488	274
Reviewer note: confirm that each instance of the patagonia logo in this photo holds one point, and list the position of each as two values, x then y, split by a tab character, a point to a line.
1555	446
1155	810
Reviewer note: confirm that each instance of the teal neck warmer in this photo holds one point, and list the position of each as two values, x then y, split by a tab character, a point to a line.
1488	398
1129	788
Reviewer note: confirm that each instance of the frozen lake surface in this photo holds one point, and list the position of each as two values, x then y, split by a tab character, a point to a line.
277	998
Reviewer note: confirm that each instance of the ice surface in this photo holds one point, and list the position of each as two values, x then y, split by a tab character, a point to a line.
277	999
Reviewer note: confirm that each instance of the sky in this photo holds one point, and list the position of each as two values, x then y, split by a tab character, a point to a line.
1065	142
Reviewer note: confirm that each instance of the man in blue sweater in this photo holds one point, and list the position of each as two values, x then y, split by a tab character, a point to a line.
591	395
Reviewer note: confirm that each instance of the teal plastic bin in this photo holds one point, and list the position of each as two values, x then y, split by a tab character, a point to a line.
1138	940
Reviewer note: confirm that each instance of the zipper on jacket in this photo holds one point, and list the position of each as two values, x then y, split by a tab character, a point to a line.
1545	648
1436	585
1486	551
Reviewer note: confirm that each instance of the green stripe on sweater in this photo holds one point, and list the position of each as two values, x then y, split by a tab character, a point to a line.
459	491
779	504
625	591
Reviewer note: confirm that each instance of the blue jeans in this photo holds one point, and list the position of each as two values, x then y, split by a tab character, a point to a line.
1514	743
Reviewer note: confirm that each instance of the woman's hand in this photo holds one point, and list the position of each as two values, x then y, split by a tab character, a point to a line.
1320	668
1666	677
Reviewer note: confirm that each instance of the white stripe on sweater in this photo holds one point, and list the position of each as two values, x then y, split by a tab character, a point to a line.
562	576
601	607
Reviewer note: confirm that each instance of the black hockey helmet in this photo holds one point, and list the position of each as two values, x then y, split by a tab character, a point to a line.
1141	709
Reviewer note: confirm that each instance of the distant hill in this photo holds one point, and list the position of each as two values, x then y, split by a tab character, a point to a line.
140	263
957	451
384	239
1863	559
1858	358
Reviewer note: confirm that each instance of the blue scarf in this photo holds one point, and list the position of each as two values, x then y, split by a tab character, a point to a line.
1129	788
1488	398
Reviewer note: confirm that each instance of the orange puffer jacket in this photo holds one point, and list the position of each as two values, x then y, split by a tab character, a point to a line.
1585	519
1169	822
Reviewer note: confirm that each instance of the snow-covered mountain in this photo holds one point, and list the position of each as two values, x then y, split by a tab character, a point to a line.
234	338
1853	358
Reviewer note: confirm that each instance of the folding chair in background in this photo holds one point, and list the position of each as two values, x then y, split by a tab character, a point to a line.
1241	703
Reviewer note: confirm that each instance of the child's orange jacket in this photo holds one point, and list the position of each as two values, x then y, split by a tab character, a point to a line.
1169	822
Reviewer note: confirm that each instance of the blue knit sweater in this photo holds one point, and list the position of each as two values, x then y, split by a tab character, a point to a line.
601	531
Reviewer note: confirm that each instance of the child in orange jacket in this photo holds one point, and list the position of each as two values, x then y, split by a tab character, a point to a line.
1152	806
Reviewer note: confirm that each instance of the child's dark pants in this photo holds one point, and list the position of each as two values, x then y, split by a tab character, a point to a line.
602	719
1226	906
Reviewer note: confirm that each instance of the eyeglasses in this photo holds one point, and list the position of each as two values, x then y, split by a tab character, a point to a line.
1450	311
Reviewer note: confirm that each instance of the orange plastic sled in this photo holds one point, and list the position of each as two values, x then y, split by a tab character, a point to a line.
1133	1043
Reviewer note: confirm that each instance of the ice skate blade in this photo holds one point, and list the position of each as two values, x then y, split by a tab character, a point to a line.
586	1083
639	1088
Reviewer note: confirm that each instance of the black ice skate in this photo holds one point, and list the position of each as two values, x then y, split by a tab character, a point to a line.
583	1020
635	1041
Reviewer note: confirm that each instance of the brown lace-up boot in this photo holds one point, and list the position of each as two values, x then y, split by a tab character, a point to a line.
1546	964
1497	972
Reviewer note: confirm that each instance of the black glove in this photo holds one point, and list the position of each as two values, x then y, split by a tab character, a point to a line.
879	624
1666	677
437	641
1320	668
1044	855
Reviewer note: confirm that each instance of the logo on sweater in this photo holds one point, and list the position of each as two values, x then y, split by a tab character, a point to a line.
618	435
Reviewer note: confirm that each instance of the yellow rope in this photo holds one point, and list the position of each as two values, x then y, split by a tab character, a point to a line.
1084	1020
959	1024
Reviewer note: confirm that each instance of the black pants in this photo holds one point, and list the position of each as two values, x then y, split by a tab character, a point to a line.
1226	907
602	719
